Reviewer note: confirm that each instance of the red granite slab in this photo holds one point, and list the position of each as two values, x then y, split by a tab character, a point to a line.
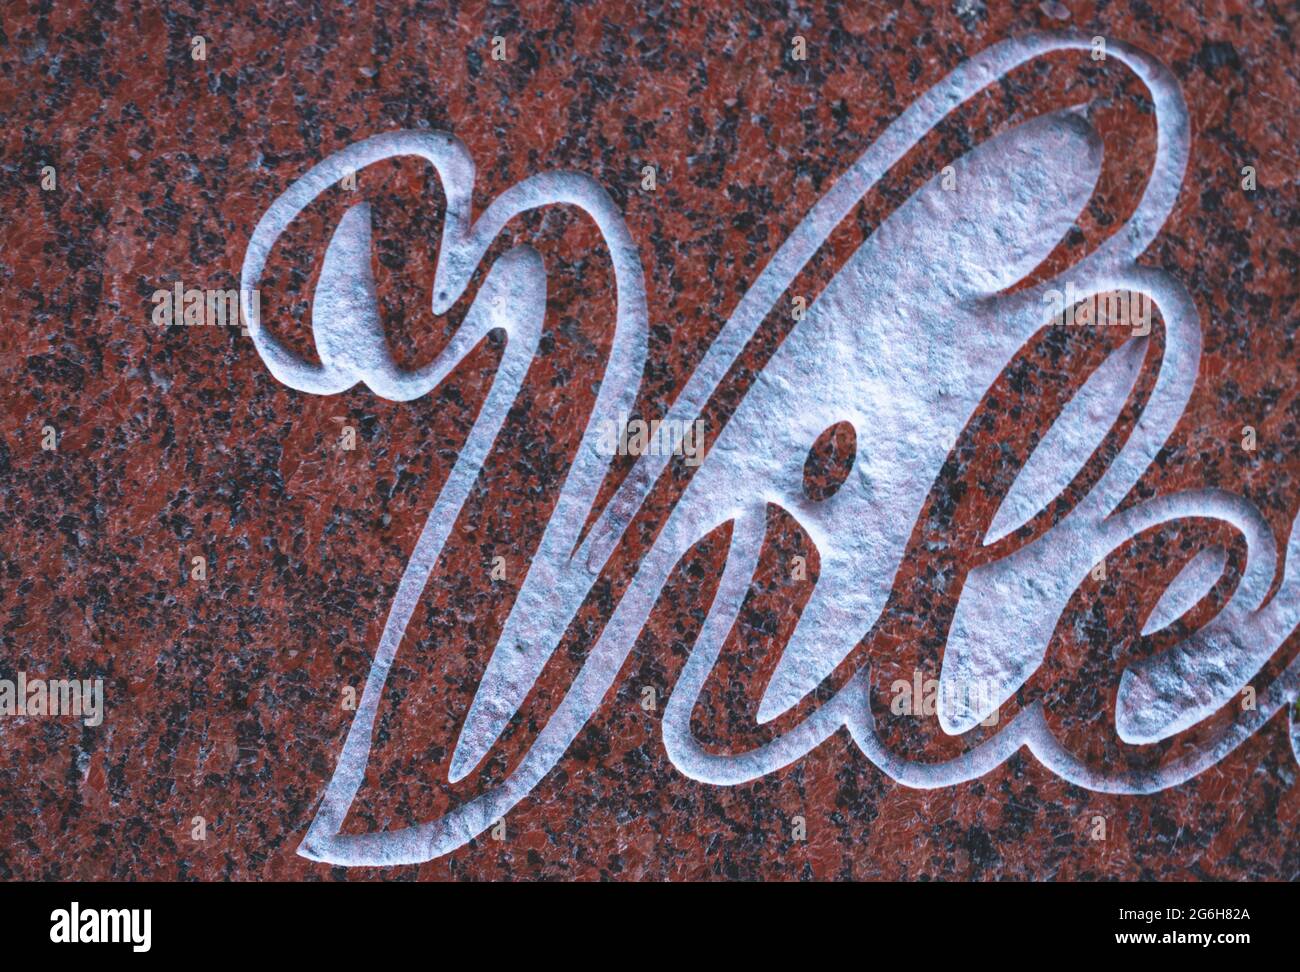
225	696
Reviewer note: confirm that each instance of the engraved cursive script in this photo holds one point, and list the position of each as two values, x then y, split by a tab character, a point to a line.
905	356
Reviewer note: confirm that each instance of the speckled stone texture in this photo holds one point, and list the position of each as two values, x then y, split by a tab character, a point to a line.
226	697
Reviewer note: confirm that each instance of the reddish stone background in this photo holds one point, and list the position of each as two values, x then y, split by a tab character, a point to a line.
224	698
